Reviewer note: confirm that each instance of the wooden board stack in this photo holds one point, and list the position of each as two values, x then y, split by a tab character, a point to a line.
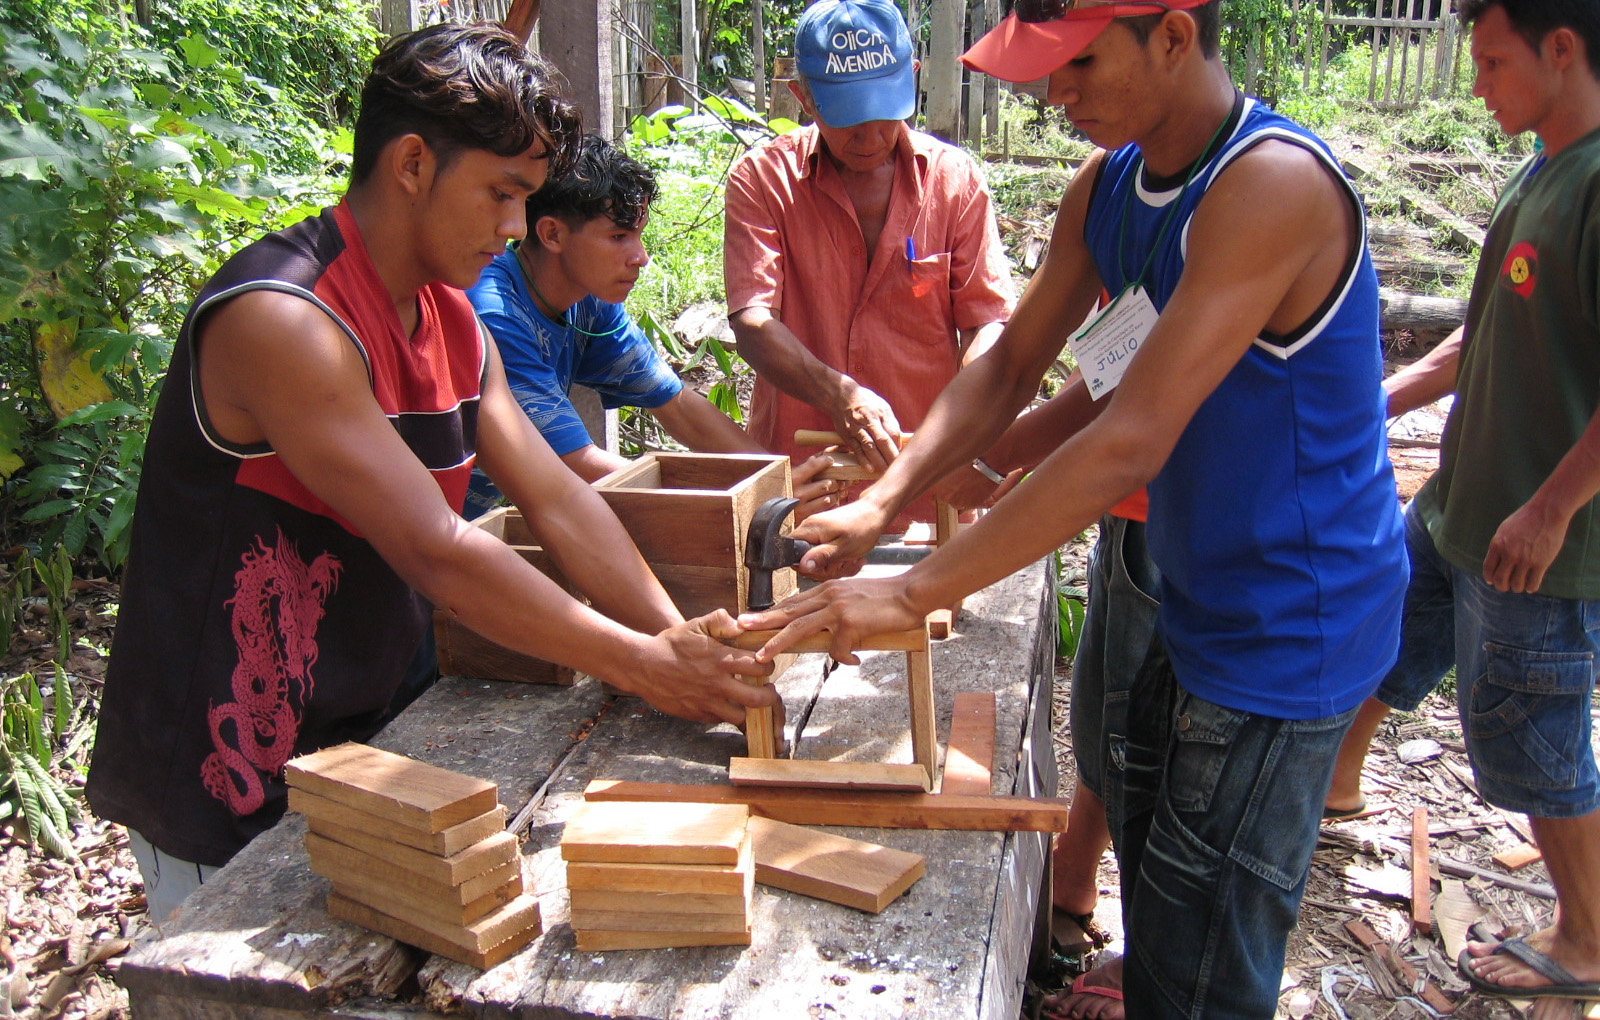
415	852
649	876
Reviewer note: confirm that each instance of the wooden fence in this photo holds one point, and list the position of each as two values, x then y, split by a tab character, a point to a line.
1418	49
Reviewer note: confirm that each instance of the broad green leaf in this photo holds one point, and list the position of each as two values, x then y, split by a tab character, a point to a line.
198	52
105	411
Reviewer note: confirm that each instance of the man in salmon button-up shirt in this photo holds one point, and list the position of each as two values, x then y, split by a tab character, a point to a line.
862	261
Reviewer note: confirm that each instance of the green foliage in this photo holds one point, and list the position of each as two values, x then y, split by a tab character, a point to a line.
1071	605
30	738
122	184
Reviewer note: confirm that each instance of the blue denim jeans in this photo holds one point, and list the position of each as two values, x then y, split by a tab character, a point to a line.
1215	822
1525	674
1427	624
1118	626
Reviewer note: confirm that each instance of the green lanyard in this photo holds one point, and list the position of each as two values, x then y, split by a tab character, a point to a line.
566	316
1166	225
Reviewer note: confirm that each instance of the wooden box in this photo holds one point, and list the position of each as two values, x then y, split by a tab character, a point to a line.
463	652
689	514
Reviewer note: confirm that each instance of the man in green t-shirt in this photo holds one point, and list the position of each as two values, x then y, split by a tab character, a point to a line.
1505	539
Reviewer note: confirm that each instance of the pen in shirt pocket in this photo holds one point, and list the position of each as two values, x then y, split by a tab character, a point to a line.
911	253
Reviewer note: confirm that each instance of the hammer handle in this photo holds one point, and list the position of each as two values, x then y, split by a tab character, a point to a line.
818	437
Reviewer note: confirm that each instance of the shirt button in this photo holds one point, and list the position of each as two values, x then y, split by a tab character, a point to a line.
1184	722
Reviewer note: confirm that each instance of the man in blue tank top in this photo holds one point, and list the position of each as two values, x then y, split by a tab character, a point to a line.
1237	373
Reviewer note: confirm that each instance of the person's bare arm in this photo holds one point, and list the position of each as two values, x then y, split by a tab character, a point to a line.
695	422
1528	541
1427	379
275	369
867	426
976	342
1258	258
591	463
982	399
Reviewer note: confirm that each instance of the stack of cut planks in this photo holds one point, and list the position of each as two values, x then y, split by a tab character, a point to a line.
649	876
415	852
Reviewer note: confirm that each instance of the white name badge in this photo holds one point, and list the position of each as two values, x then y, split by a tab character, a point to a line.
1107	344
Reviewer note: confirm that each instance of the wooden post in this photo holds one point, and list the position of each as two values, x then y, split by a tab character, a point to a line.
924	728
397	16
691	43
521	17
758	52
784	104
941	75
576	36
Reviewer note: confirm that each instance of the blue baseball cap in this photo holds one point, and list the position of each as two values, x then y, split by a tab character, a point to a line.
857	57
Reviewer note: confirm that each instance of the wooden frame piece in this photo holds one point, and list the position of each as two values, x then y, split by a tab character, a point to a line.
402	790
445	843
855	808
919	691
481	944
841	775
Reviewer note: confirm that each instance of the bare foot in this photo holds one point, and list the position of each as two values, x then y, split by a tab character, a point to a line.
1088	999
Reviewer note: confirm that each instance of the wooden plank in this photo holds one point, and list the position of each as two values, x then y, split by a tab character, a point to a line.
1403	971
444	843
407	895
465	652
912	640
709	879
1421	874
969	755
405	791
924	724
837	807
482	945
639	920
600	941
498	850
656	833
841	775
851	872
659	903
1518	857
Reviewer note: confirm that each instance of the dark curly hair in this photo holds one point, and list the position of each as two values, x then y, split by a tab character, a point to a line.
603	181
1536	19
464	87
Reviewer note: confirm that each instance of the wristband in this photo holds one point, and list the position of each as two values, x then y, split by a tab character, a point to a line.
988	472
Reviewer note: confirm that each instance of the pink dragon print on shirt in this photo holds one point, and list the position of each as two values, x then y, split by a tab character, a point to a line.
277	606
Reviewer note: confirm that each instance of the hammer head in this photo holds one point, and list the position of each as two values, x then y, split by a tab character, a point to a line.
766	549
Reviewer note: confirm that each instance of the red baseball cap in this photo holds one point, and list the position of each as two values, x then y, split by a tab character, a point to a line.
1017	50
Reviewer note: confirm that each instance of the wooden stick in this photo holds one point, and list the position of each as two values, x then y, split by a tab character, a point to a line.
838	807
1421	879
969	758
912	640
924	725
827	775
822	437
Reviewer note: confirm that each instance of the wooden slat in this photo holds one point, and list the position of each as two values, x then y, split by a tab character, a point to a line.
659	903
969	756
852	872
656	833
711	879
1518	857
600	941
406	891
497	851
841	775
912	640
482	945
1421	874
837	807
639	920
392	786
924	722
444	843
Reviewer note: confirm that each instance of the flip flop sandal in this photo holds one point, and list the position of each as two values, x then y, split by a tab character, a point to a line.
1333	814
1081	986
1562	984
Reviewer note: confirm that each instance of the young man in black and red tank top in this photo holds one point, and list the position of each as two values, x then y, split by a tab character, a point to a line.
299	509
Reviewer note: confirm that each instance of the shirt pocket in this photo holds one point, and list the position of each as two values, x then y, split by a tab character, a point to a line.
919	294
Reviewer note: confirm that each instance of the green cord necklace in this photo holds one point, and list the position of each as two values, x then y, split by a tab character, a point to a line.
566	316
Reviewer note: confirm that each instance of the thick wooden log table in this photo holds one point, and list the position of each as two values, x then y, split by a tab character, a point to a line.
256	942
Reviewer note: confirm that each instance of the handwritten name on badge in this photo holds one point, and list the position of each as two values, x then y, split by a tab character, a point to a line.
1108	343
858	50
